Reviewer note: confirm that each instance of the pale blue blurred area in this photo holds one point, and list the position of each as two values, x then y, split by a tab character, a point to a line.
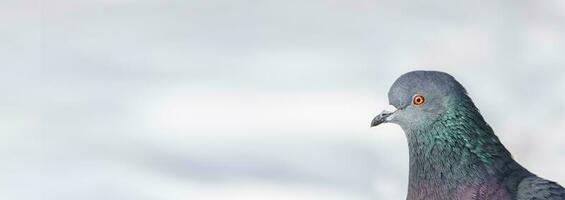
122	99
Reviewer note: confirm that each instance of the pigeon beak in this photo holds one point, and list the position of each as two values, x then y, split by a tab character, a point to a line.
384	117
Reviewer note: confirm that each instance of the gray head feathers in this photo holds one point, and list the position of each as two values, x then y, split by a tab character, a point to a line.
428	83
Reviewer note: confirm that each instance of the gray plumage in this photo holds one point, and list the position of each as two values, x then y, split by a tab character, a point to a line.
454	153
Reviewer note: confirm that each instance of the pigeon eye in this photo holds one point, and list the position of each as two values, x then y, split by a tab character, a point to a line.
418	100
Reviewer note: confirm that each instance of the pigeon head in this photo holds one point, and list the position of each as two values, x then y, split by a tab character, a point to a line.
420	97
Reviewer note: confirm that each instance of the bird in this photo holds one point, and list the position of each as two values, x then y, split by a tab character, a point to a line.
453	152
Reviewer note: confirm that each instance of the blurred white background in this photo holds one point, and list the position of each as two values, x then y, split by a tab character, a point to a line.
217	99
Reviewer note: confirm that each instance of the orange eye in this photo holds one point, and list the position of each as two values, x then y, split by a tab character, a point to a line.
418	100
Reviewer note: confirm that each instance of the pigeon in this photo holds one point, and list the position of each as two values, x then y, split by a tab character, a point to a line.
454	153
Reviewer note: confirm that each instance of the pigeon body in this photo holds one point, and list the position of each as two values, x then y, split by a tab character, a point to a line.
454	153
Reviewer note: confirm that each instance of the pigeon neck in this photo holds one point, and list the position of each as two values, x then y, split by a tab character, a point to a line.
459	148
